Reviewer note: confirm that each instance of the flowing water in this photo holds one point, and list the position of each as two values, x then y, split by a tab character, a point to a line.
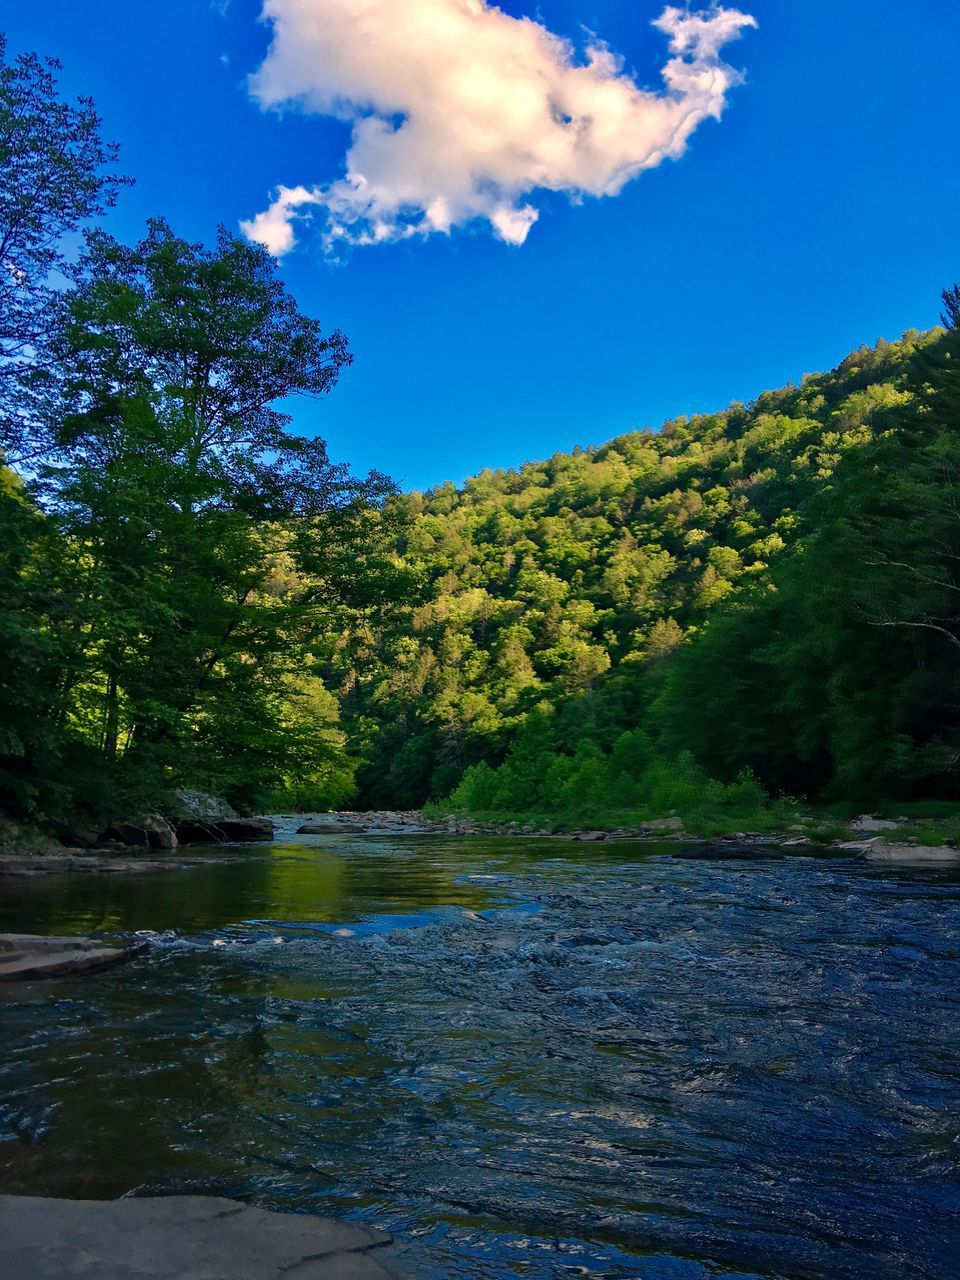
525	1058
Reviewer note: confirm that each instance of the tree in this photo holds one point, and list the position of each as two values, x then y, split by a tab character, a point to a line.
598	573
212	548
53	178
951	307
30	765
845	676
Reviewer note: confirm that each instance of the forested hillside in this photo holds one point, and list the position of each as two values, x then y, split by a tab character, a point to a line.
587	582
193	595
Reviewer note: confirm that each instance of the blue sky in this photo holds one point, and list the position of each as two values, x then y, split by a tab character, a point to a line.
818	213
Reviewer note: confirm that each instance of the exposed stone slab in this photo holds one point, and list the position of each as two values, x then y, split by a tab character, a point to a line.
663	824
907	855
24	956
61	863
867	823
182	1238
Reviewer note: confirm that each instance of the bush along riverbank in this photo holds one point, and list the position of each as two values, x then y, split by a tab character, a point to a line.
625	788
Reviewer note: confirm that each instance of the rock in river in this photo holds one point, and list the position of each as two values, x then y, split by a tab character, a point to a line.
182	1238
917	855
24	956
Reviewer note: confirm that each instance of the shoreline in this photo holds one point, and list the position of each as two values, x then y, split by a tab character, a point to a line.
88	862
869	839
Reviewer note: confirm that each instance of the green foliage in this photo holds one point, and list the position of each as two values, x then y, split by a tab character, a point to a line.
626	785
843	677
208	550
30	767
52	180
628	584
477	790
951	307
173	561
759	601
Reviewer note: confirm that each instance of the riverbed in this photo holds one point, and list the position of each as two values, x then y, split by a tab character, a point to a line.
525	1058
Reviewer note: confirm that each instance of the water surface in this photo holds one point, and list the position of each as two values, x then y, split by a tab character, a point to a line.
525	1058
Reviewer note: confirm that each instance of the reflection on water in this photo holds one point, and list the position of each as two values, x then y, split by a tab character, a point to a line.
525	1058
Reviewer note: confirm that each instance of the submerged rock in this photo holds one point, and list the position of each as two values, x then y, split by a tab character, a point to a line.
722	851
182	1238
97	864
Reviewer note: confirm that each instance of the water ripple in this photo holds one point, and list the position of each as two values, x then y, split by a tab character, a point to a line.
626	1068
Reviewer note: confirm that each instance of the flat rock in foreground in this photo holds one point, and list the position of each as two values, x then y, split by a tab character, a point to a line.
24	956
181	1238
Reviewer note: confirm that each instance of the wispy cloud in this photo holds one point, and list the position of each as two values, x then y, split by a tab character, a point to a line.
460	112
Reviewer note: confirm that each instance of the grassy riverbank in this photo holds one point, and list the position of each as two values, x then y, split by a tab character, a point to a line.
780	817
930	824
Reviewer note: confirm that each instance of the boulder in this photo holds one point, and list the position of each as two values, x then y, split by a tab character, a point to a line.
591	835
82	838
147	831
911	855
225	831
867	823
663	824
200	805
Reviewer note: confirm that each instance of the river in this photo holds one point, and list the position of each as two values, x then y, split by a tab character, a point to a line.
526	1058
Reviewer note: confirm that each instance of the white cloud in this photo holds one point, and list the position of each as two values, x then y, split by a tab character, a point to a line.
459	112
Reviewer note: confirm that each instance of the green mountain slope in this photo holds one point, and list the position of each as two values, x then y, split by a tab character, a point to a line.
567	582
